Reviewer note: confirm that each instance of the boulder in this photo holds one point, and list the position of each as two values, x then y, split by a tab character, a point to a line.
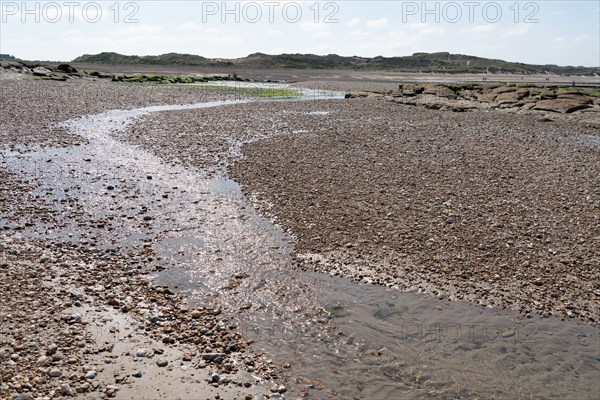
440	91
41	71
564	105
411	90
504	89
66	68
354	95
486	97
547	94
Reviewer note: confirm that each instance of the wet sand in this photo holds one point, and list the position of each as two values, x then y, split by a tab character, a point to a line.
494	208
80	315
172	258
461	206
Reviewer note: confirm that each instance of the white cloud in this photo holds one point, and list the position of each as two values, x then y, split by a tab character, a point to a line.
353	22
581	38
478	29
316	30
377	23
516	32
421	29
191	27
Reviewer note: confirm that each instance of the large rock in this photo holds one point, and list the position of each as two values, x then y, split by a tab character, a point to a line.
547	94
486	97
354	95
504	89
411	90
509	98
41	71
564	105
66	68
570	92
506	98
440	91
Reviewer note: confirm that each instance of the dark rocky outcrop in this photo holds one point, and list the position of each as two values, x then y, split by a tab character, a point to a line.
509	97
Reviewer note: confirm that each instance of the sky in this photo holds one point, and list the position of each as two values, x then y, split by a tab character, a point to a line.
536	32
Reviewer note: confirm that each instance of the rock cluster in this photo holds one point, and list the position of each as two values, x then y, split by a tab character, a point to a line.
495	208
63	72
32	110
493	96
62	300
490	207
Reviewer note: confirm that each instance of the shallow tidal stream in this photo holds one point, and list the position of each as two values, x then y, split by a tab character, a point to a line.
342	340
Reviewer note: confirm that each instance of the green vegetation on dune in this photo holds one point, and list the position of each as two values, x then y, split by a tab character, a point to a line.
442	62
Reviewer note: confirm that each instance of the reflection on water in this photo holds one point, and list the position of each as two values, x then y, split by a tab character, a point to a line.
387	344
343	340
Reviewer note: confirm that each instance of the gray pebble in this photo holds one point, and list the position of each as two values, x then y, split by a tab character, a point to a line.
42	360
51	349
141	353
22	396
66	390
162	362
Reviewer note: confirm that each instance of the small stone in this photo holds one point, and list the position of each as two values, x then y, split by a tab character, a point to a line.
55	373
215	378
231	347
2	353
141	353
90	375
196	314
76	317
83	388
137	374
22	396
168	340
66	390
14	357
162	362
51	349
111	390
212	356
508	334
42	360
